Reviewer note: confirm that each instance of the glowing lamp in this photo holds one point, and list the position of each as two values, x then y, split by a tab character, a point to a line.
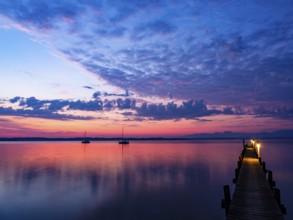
258	145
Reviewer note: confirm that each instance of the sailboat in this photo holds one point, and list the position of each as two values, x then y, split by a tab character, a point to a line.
123	140
85	140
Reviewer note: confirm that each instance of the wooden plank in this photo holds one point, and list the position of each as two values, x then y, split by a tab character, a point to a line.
253	197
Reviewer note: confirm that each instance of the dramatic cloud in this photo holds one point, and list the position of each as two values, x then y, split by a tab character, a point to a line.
40	114
88	87
224	52
283	112
189	110
132	109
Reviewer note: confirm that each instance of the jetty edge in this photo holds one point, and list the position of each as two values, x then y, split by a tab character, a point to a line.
255	196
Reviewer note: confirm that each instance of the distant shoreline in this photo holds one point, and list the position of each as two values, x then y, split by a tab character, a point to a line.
226	135
17	139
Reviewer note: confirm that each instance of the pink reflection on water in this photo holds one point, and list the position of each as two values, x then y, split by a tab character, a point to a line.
102	175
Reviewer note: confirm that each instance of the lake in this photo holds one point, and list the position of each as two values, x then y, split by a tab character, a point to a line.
145	180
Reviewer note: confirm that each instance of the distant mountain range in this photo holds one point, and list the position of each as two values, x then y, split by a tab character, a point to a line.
280	134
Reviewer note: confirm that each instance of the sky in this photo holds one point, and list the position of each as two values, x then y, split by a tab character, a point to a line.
155	67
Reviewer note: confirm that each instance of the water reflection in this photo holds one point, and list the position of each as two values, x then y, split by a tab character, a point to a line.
145	180
278	155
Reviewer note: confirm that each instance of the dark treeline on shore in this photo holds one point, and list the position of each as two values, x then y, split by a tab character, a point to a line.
79	139
280	134
103	139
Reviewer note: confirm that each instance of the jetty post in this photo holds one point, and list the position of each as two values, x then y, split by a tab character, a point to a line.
255	195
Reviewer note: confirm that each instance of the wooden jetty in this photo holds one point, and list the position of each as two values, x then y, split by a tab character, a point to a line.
255	196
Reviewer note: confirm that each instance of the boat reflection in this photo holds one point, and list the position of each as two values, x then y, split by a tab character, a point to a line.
99	181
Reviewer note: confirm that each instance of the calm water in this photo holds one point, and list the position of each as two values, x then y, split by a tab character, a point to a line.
145	180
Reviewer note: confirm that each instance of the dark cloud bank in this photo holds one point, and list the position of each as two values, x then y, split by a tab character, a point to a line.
192	109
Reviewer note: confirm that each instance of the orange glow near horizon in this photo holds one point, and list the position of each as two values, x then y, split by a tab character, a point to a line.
12	126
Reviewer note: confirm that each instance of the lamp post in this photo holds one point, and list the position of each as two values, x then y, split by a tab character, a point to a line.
252	142
258	145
